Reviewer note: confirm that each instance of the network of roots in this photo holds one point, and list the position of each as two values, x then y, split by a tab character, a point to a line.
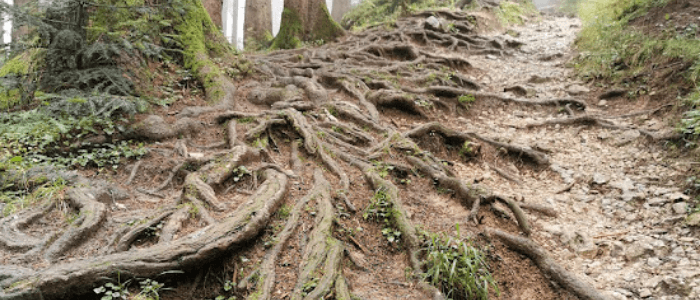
341	122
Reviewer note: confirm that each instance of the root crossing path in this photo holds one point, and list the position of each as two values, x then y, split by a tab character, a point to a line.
335	168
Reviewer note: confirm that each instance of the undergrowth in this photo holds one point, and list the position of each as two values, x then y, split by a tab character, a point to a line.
614	50
511	13
376	12
457	267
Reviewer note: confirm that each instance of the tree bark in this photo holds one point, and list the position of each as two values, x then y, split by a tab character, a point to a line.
306	20
258	19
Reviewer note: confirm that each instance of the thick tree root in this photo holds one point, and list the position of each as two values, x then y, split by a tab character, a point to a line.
471	194
266	273
92	214
400	220
322	249
188	252
538	255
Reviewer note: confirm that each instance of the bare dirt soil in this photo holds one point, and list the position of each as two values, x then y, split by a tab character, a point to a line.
569	197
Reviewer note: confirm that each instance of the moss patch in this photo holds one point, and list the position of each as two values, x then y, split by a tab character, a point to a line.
290	33
325	28
199	37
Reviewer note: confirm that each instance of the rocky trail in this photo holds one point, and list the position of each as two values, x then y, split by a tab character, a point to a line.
320	176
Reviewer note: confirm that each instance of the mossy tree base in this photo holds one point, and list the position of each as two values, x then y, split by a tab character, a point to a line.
306	21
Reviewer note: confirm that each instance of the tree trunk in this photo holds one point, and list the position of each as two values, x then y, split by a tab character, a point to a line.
258	18
305	20
340	8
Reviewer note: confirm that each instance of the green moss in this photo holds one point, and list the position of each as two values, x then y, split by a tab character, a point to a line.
199	37
325	28
288	37
19	65
510	13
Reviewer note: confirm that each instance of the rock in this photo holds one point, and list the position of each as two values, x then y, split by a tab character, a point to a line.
654	262
599	178
636	250
584	198
575	90
693	219
679	208
644	293
657	201
432	23
676	196
489	56
624	185
627	136
602	103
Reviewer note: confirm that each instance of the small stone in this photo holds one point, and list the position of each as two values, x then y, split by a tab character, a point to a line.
575	90
654	262
432	23
644	293
679	208
489	56
599	178
602	103
676	196
635	251
657	201
693	219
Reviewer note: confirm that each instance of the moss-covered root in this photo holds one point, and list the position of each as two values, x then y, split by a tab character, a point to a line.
583	289
63	280
314	146
11	236
200	185
125	241
402	223
92	214
321	247
200	37
155	128
266	278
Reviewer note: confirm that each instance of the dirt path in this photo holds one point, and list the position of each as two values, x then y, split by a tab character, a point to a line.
621	223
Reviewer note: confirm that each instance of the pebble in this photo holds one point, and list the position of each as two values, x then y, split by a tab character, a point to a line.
679	208
602	103
645	293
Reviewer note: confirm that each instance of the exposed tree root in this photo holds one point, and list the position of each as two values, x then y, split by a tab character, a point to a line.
185	253
403	224
538	255
266	272
323	253
92	214
602	122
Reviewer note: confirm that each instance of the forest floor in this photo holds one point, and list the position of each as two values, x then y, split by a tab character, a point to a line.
589	166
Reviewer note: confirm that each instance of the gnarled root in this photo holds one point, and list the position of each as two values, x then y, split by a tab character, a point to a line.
322	249
402	223
538	255
188	252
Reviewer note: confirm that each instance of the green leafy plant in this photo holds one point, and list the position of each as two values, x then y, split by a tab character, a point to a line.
111	291
149	289
457	267
466	150
466	100
380	209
